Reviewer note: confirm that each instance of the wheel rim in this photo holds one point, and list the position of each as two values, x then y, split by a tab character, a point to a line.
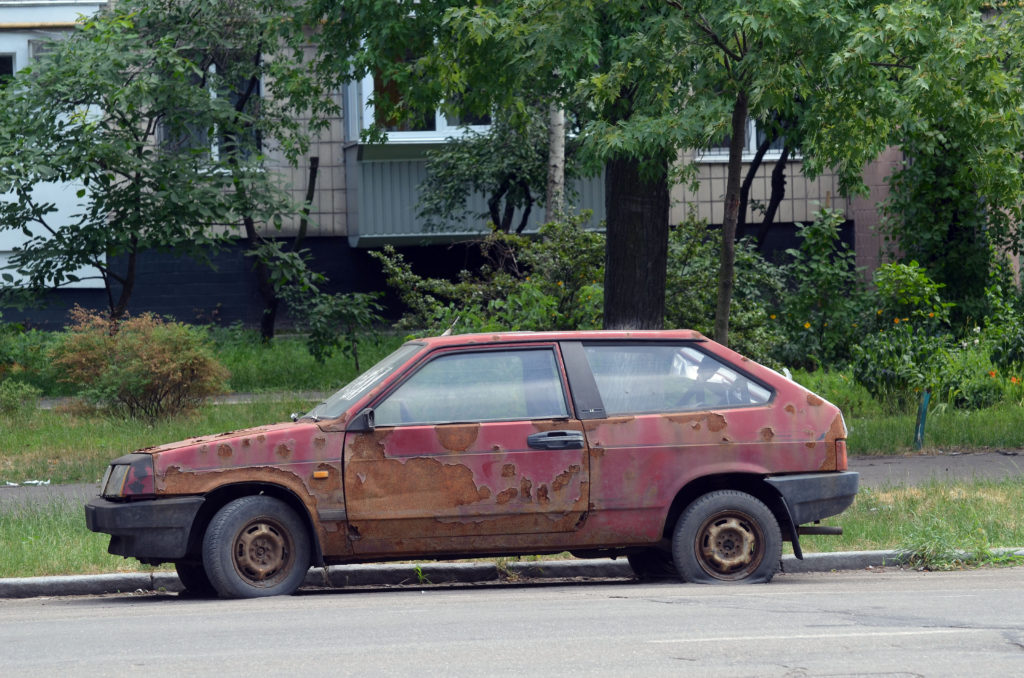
730	545
263	552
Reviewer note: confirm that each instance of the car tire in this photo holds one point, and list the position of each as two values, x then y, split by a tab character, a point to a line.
727	536
193	578
653	564
254	547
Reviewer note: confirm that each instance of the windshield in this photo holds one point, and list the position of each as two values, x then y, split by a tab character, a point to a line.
336	405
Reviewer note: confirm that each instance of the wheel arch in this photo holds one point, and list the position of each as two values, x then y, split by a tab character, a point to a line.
217	499
750	483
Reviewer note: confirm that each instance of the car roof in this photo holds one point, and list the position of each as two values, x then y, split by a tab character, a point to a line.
585	335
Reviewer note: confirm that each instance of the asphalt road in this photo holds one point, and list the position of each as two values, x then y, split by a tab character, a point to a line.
883	623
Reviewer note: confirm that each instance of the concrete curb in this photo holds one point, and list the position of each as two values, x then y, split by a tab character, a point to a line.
425	574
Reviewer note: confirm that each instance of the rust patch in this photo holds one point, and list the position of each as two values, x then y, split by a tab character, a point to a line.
767	434
224	451
319	442
417	485
505	496
246	443
814	401
204	449
261	438
562	479
526	489
367	446
790	408
508	471
810	444
716	422
542	495
457	438
283	451
596	452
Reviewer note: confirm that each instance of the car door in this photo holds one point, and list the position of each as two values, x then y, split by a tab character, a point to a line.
474	446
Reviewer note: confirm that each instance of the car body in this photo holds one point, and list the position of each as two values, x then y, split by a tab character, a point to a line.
661	446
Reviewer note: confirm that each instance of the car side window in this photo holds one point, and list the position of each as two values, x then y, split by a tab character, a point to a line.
478	386
667	378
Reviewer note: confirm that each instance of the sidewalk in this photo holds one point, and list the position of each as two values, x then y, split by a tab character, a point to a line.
427	574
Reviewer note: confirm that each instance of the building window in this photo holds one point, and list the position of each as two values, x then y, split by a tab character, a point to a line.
431	127
6	68
719	151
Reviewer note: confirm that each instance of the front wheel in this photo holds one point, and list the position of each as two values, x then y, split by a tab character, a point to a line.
727	536
193	578
256	546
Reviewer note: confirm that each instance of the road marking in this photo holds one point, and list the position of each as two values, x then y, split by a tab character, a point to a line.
821	636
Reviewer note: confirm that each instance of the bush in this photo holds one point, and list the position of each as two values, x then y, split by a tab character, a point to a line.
18	397
691	290
140	367
905	291
548	283
821	313
897	364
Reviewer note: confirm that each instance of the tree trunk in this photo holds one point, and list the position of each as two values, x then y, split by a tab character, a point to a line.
554	201
732	213
636	249
778	193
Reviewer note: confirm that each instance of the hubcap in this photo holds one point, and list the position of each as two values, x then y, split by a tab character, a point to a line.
263	552
729	545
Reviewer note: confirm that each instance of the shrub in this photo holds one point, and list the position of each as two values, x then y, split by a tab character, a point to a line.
17	397
905	291
547	283
140	367
821	313
897	364
694	256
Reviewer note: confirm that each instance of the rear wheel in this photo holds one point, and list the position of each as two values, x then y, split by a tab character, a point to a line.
727	536
653	564
254	547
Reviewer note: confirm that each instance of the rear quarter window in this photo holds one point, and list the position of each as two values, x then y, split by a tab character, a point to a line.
637	379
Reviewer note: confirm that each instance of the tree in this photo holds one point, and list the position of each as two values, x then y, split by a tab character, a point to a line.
507	163
149	106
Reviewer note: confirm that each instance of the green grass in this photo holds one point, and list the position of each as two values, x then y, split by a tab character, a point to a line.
995	427
934	520
69	447
51	539
286	365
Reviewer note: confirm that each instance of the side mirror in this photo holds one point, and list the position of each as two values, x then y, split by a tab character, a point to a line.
362	422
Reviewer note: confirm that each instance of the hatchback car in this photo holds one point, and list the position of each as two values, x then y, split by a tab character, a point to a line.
660	446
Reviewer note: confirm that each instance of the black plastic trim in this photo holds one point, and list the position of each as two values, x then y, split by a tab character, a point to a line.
151	529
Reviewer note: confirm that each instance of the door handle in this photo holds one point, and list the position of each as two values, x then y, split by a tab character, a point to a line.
556	440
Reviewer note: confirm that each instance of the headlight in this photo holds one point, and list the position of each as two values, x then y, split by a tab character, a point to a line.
113	481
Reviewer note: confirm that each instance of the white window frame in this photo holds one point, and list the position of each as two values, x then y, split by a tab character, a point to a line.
443	129
720	154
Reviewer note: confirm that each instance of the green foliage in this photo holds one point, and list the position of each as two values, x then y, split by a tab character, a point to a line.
335	321
897	364
842	390
145	111
507	163
693	258
18	398
905	291
141	367
548	283
820	314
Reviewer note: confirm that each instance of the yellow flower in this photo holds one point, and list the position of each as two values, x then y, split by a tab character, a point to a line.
559	283
896	320
772	316
878	312
807	326
932	314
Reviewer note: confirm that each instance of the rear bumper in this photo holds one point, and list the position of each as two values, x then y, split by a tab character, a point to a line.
813	496
152	530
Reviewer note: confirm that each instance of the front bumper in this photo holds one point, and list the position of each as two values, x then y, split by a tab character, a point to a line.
152	530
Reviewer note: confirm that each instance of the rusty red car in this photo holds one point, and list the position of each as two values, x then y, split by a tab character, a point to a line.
663	447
